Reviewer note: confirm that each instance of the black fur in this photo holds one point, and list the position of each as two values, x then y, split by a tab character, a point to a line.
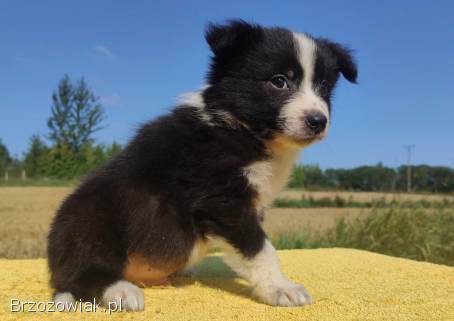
180	179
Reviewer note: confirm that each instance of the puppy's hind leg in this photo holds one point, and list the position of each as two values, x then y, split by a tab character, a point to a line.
101	285
111	289
122	295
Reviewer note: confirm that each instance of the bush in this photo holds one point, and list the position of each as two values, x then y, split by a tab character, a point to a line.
411	233
35	159
310	202
297	178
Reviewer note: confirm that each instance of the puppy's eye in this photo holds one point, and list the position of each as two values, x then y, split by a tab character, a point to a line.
279	82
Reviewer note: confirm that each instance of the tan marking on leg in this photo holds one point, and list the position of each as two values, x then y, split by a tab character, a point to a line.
140	271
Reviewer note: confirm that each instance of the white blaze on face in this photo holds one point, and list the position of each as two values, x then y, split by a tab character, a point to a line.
305	100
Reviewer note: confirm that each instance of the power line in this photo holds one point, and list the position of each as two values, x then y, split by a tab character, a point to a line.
409	149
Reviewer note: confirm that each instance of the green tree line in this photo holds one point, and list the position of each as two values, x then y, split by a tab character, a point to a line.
424	178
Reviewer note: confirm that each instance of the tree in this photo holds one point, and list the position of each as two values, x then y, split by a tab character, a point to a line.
76	114
428	178
5	158
297	178
62	162
35	158
313	176
95	156
113	149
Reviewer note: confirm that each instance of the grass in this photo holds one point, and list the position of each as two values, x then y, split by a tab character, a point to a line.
293	220
412	233
340	202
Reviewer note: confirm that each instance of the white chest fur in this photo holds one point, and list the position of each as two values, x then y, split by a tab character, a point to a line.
269	177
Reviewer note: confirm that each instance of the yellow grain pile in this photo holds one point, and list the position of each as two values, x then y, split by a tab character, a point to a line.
345	285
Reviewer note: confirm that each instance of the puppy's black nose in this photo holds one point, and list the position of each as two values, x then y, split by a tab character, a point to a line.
316	122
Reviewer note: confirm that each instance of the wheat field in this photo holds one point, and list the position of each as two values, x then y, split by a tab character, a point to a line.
25	215
26	212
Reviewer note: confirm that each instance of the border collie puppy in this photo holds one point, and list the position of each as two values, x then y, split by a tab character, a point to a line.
200	177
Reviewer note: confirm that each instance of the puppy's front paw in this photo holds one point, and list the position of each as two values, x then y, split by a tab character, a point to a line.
125	295
286	295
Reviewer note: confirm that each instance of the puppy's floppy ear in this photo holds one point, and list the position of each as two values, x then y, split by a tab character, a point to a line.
232	37
345	61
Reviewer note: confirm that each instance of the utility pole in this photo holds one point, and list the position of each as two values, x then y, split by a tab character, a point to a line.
409	149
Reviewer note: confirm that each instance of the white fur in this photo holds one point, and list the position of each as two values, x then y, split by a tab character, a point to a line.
64	301
64	297
125	294
259	175
195	99
270	176
264	274
305	99
306	49
192	98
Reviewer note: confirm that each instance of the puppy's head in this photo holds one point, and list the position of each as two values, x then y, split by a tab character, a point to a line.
276	82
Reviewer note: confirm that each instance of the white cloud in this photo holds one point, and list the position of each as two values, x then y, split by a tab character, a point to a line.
104	51
111	100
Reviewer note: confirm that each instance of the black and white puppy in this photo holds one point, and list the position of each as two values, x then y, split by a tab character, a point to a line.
200	177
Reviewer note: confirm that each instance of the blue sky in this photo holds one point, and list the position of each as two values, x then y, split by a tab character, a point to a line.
138	56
